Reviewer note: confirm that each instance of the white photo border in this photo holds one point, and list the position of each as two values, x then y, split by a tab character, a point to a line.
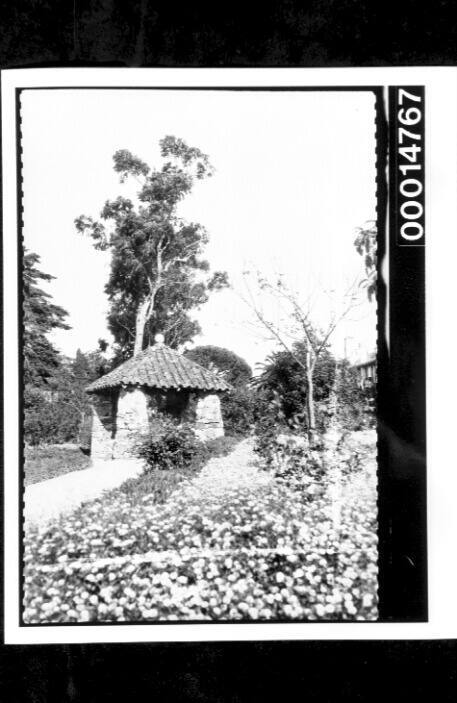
441	177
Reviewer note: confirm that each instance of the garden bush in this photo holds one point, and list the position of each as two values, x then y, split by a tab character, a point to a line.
355	406
294	462
174	445
170	445
283	447
283	375
48	421
237	409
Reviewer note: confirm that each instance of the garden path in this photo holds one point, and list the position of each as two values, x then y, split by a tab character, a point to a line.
227	474
48	499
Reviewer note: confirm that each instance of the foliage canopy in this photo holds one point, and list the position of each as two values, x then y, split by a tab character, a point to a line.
158	274
234	369
41	316
283	378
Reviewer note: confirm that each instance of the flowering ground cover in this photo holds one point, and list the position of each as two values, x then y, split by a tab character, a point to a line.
234	543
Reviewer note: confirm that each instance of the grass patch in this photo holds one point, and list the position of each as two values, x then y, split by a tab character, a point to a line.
48	461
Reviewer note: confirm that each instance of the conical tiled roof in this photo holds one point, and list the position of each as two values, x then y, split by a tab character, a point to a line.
160	367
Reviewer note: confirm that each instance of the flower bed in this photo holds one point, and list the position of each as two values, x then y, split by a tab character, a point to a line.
263	553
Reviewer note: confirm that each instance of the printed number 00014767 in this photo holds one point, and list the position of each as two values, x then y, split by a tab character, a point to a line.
410	188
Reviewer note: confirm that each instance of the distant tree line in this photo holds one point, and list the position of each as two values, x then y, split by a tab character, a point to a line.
56	406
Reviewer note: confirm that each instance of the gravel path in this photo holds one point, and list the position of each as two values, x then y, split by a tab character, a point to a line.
49	499
225	475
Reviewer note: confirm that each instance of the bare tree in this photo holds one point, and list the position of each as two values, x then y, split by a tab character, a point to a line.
294	323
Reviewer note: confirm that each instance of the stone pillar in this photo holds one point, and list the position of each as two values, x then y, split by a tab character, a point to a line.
208	421
103	427
132	421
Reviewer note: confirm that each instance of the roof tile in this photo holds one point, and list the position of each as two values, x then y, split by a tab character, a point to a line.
160	367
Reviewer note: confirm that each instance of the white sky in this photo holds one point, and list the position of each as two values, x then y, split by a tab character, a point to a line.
295	175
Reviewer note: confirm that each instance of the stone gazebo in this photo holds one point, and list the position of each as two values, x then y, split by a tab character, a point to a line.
158	380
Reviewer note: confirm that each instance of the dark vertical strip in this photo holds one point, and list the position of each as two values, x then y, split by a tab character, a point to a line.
382	394
20	335
2	436
403	418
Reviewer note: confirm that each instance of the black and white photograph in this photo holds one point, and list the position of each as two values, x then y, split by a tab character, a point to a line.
199	356
222	383
228	247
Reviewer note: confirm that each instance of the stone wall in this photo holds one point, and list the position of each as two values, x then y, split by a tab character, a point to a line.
120	420
103	426
208	421
132	421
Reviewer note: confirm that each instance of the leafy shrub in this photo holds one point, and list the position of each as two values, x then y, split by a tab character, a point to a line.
174	445
48	421
282	445
237	409
283	375
59	410
170	445
283	448
294	462
355	409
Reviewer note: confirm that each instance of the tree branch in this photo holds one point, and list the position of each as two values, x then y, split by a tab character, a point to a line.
271	328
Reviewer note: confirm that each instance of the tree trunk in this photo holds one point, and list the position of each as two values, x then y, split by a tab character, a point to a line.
334	394
310	395
140	322
82	419
310	402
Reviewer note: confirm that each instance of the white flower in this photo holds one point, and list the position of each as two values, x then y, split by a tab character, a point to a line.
367	600
106	592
